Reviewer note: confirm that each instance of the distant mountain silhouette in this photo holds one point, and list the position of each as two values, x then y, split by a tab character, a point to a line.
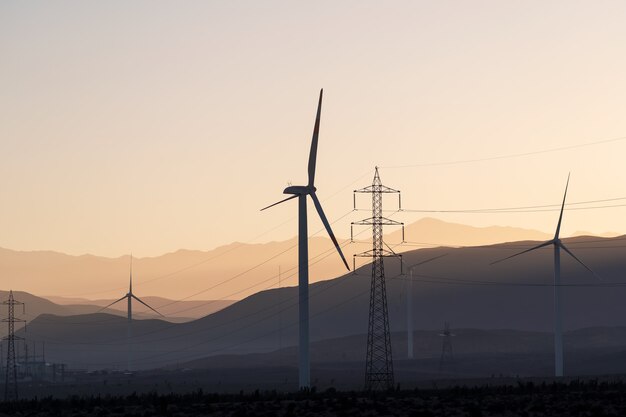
186	272
462	288
433	232
35	306
579	233
173	310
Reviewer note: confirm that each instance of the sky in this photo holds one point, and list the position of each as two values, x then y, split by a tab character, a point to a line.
150	126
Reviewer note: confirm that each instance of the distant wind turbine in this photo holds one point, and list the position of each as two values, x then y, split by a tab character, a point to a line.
301	192
409	305
129	331
557	244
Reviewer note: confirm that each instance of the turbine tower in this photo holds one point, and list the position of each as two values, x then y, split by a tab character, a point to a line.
301	192
409	305
129	328
557	245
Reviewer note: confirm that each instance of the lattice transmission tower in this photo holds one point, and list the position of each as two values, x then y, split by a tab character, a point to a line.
379	360
447	356
10	382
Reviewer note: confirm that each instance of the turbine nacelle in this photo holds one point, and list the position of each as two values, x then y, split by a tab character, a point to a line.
300	189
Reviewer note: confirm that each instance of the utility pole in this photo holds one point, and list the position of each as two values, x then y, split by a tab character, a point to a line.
10	383
379	360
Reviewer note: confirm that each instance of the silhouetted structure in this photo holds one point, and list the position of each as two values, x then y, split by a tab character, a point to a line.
129	327
301	192
447	356
10	382
379	360
557	245
409	305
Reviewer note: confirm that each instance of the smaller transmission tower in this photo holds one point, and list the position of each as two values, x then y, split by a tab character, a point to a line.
10	383
446	347
379	361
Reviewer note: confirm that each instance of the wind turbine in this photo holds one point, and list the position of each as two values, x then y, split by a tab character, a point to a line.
409	305
301	192
557	244
129	330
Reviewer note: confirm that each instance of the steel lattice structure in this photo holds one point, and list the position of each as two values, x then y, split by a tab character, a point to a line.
446	347
379	360
10	382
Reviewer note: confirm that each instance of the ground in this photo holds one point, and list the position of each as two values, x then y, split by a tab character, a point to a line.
524	398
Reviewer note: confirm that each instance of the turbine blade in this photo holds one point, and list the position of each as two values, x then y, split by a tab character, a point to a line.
318	206
316	132
579	261
548	243
558	226
114	302
281	201
137	298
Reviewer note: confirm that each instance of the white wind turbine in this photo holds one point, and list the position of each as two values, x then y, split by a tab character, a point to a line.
129	330
557	244
301	192
409	305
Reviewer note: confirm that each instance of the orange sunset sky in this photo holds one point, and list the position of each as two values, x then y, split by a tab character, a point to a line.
147	126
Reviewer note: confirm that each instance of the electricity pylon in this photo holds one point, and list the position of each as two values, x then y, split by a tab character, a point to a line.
379	360
10	382
446	346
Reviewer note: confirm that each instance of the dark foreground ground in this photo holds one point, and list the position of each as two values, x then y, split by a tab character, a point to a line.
524	398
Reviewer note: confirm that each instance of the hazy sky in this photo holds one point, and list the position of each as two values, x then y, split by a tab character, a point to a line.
150	126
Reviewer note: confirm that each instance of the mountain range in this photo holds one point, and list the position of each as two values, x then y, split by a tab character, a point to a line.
198	275
460	287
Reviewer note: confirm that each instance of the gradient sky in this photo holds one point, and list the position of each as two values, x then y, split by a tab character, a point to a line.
149	126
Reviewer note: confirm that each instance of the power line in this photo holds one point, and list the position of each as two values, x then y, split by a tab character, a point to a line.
325	288
209	353
230	279
234	248
466	282
498	211
523	209
509	156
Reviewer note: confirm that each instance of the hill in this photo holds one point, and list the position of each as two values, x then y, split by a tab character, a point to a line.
179	274
461	288
173	310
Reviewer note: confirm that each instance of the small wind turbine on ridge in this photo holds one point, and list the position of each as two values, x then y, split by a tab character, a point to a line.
301	192
129	296
557	245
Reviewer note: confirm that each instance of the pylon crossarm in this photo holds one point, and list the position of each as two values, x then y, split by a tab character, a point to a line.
382	221
370	190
